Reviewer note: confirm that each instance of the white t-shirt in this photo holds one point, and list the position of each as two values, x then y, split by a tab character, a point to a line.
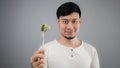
59	56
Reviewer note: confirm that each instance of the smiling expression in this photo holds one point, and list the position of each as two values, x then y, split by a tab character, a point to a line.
69	25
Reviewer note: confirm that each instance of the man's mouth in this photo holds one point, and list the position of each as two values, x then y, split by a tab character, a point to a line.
69	32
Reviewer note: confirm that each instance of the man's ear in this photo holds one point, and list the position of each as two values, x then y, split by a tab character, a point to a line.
58	21
80	20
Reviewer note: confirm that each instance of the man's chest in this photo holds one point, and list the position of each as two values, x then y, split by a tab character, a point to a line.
68	58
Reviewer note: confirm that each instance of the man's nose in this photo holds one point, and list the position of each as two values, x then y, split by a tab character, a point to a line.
69	25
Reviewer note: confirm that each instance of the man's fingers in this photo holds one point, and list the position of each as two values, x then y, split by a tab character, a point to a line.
41	66
41	51
42	61
39	63
39	54
37	57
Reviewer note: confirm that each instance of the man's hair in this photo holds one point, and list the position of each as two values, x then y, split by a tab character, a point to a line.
68	8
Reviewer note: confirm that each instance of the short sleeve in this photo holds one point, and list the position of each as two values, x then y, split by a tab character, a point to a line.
95	60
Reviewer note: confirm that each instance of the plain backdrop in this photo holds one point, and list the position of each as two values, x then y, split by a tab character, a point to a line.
20	29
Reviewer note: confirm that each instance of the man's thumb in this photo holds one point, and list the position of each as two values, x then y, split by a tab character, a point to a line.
42	51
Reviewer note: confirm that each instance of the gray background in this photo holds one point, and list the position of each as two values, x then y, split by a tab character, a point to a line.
21	20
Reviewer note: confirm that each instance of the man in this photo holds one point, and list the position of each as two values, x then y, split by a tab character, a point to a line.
67	51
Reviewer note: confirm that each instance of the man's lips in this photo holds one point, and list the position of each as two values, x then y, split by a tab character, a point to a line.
69	32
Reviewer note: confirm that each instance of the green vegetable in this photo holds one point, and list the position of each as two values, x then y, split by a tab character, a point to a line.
45	27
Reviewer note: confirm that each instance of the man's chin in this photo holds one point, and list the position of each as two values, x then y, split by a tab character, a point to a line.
69	38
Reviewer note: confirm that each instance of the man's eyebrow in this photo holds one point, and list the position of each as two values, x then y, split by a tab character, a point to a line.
68	19
64	19
75	19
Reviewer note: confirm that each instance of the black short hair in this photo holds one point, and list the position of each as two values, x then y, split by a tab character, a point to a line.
68	8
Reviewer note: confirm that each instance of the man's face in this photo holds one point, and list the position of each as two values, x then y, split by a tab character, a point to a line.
69	25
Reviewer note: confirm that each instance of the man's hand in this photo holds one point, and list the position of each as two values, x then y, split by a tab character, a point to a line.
38	59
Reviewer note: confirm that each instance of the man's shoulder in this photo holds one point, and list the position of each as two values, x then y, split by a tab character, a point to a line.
89	47
50	44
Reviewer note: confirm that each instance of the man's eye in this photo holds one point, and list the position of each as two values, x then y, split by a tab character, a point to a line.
74	21
65	22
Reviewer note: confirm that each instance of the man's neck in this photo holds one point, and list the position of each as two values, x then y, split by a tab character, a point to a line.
70	42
